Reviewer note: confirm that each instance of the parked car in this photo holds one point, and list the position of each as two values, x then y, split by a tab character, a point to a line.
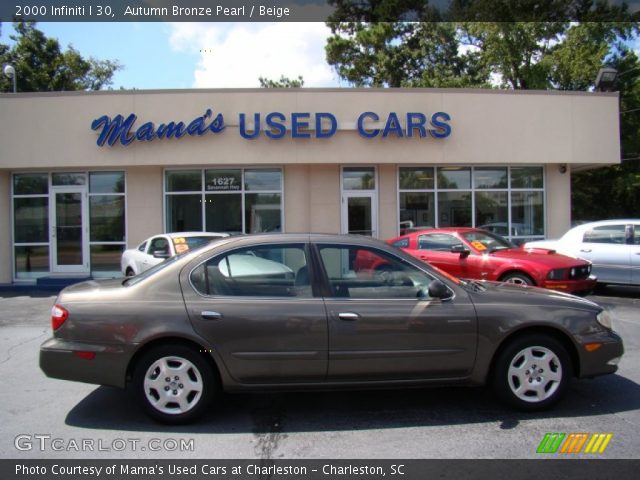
194	326
478	254
612	246
160	247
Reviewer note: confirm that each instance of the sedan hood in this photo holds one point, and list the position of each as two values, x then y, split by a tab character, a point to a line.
522	295
540	256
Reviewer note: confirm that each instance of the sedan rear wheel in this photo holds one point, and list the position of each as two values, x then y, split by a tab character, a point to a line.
532	372
175	384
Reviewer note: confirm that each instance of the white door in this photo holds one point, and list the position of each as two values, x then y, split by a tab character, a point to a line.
69	229
360	213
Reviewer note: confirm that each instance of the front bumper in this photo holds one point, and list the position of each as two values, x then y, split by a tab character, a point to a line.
58	359
572	286
603	360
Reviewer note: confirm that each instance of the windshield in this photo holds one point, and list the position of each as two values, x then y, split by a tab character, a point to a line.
485	241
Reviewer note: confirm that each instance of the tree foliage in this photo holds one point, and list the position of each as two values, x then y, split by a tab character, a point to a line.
549	44
284	82
42	65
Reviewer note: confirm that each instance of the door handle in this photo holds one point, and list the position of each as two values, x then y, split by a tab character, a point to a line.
206	315
348	316
585	250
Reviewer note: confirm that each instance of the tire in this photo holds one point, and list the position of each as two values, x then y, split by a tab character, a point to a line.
174	384
519	278
532	372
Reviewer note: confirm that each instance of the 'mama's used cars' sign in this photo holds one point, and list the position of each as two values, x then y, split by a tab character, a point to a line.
274	125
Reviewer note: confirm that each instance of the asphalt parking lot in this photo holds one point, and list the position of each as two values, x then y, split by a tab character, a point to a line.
45	418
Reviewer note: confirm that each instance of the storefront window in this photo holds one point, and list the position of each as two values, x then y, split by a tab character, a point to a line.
106	182
184	213
66	179
105	259
31	219
454	209
184	181
107	218
31	261
490	177
31	184
358	178
223	212
262	212
526	177
527	210
454	178
235	200
492	212
508	201
416	210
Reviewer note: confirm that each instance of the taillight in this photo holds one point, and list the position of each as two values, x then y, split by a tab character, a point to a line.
58	316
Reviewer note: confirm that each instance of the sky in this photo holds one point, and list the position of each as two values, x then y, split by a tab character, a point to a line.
199	55
202	55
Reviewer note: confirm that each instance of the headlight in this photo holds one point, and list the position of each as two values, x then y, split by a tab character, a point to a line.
605	318
557	274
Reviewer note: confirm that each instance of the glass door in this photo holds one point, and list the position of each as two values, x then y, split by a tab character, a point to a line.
69	242
359	215
359	201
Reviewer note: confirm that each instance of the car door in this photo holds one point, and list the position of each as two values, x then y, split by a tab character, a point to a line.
256	307
435	248
381	329
608	249
635	255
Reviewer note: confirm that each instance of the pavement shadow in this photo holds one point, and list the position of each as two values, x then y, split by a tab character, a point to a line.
114	409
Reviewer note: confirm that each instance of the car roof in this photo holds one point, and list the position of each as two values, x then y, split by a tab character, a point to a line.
193	234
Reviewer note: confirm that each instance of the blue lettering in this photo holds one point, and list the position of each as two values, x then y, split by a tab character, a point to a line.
145	132
333	125
171	129
297	124
416	120
114	130
442	129
256	127
277	130
392	126
368	133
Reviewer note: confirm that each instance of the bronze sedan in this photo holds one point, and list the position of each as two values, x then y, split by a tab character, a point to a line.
297	311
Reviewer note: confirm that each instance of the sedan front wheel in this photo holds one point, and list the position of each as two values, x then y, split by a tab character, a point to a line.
532	372
175	384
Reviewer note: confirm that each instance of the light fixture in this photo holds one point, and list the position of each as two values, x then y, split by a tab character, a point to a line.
606	79
562	168
10	72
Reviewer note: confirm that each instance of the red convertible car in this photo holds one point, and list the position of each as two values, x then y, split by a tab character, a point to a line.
478	254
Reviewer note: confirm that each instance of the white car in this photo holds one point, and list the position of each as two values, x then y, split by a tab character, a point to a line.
612	246
159	247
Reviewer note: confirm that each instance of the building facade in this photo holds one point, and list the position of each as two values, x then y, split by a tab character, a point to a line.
84	175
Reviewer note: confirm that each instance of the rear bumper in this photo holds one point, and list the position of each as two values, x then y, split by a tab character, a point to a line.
58	359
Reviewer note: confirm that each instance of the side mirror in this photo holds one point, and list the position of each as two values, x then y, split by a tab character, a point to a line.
436	289
461	249
161	254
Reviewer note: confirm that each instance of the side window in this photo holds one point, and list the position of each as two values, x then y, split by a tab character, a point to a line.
615	234
440	242
142	246
264	271
369	273
402	243
636	234
159	244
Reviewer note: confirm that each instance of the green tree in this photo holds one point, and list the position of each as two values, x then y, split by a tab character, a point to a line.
284	82
42	65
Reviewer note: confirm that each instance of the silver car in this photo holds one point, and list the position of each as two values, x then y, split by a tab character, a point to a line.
303	311
612	246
